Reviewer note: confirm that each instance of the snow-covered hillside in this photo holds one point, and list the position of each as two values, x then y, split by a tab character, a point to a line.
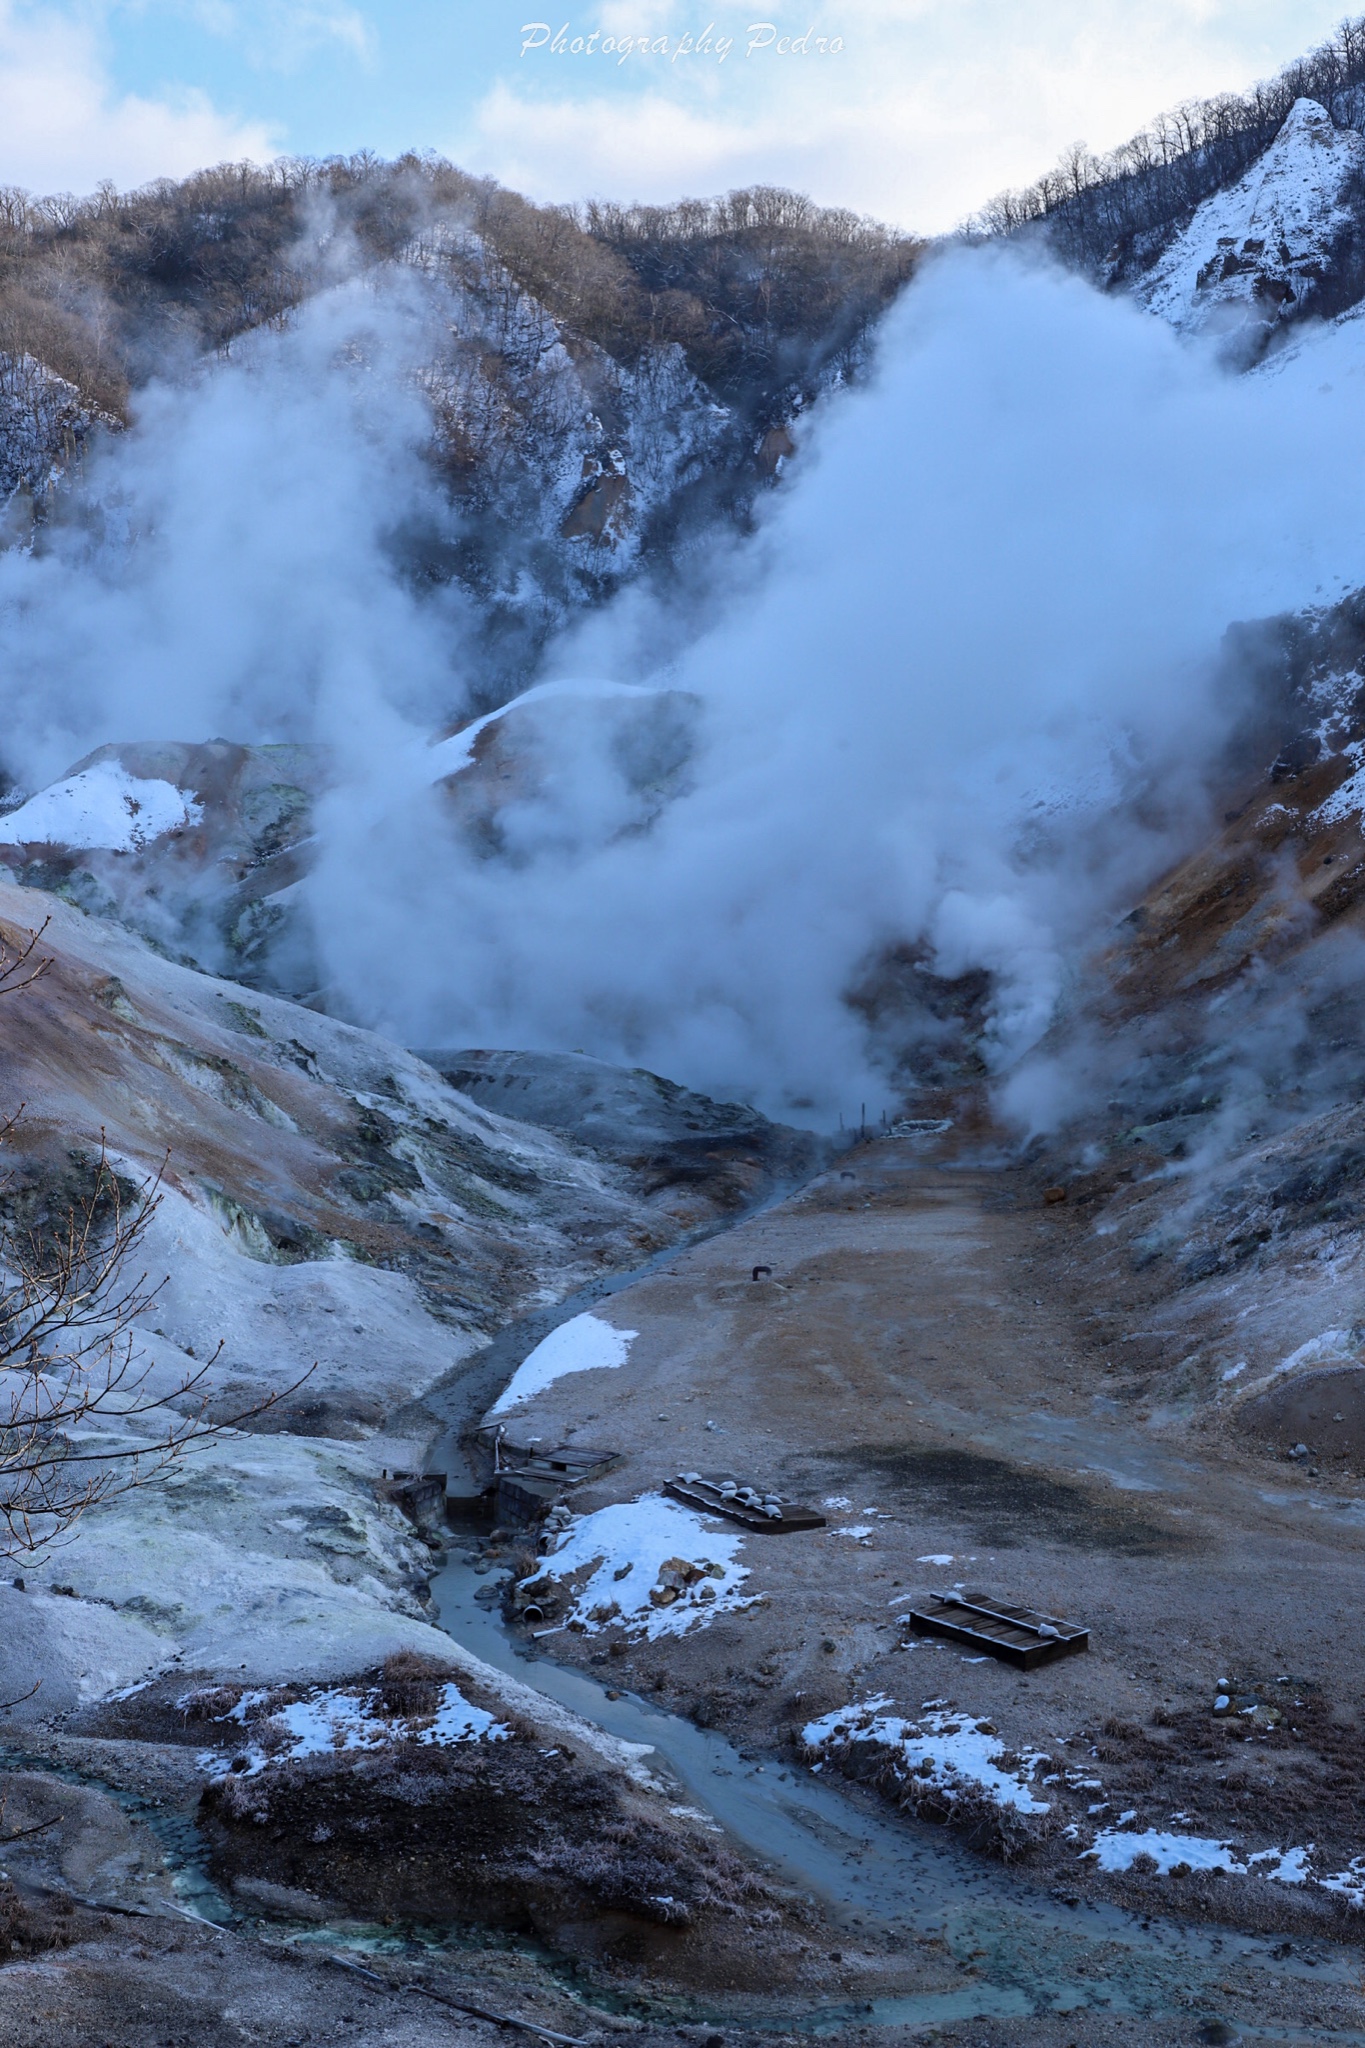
547	429
1251	251
43	427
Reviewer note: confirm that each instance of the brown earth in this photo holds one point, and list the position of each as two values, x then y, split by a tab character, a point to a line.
925	1351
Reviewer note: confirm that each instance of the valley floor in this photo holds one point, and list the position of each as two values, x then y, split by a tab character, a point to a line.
918	1358
920	1364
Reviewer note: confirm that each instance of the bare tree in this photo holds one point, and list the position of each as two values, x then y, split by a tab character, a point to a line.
69	1300
69	1363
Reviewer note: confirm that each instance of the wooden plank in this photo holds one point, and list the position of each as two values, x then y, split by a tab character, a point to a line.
1012	1634
706	1496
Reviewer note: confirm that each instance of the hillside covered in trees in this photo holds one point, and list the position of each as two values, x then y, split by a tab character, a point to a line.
1113	215
598	377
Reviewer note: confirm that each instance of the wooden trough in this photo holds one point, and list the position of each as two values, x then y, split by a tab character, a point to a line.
1017	1635
529	1481
694	1491
422	1495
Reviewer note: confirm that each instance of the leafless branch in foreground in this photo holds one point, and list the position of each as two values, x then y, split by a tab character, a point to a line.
69	1301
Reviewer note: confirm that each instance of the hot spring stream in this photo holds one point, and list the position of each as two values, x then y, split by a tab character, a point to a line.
1019	1951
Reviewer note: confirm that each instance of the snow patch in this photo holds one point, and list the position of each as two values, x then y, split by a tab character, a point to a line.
1349	1882
103	806
1289	1866
1113	1851
584	1344
335	1720
633	1550
952	1751
1347	801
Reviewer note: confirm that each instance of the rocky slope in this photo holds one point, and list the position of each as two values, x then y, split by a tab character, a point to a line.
329	1206
597	388
1254	251
1212	1047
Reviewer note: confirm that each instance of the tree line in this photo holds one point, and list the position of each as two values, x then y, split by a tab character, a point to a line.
1110	214
761	289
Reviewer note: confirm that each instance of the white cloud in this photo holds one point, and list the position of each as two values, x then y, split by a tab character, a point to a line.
63	127
933	106
281	38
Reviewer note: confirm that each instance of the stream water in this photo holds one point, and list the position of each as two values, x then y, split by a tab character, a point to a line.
1019	1952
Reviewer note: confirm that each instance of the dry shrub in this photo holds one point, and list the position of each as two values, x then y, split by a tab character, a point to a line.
988	1827
28	1927
211	1702
410	1685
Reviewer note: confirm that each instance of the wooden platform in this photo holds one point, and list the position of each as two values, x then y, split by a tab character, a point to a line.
1017	1635
694	1491
530	1480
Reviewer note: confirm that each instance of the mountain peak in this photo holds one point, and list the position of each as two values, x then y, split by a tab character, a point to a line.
1250	251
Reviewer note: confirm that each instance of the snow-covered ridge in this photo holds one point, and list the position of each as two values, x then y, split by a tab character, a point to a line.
103	806
1250	251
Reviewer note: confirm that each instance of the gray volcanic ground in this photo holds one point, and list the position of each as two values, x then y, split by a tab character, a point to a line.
697	842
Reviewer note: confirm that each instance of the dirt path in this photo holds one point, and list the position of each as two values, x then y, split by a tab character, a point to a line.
921	1354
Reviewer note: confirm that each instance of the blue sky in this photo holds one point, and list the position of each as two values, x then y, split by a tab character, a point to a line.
928	108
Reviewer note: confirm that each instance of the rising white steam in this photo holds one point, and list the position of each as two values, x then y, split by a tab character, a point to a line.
982	615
